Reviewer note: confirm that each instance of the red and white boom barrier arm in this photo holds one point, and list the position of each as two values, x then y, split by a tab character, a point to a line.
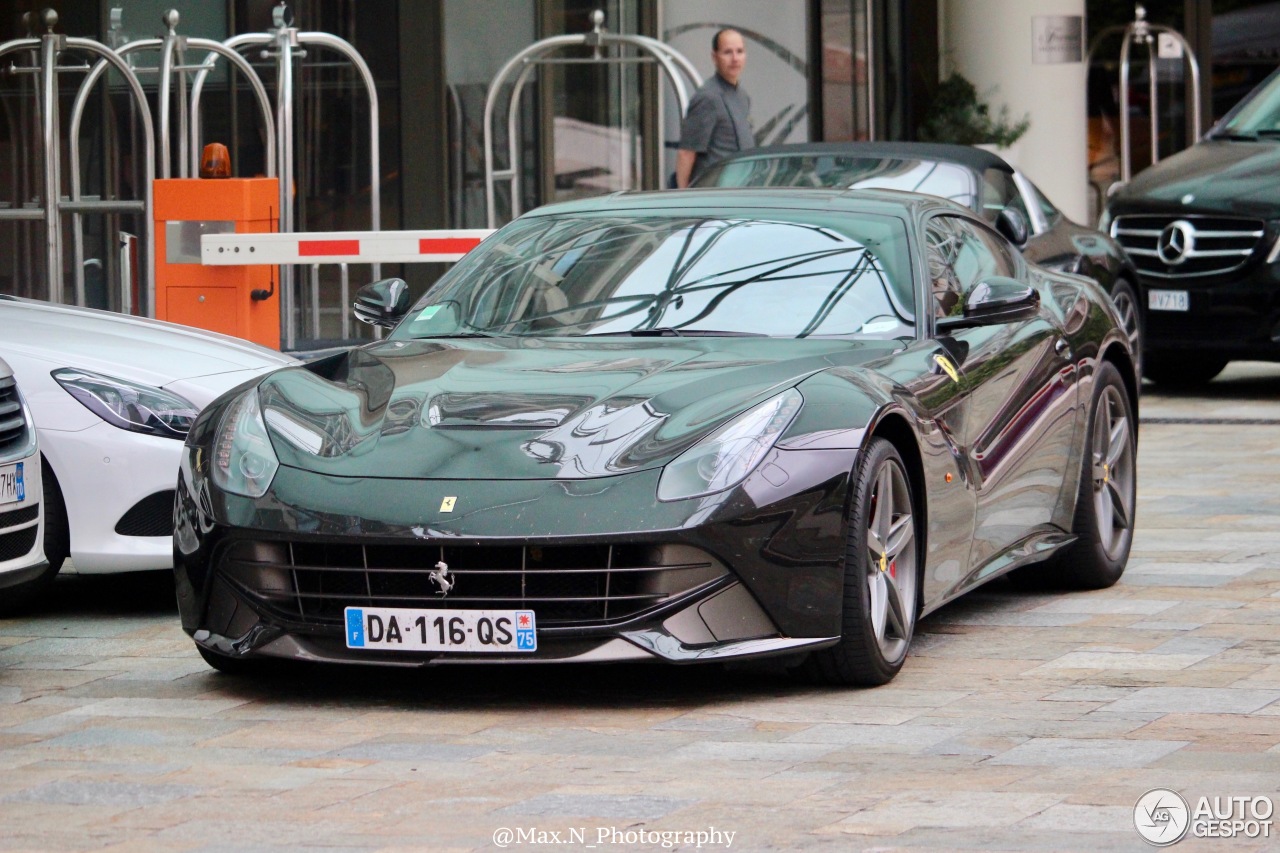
340	247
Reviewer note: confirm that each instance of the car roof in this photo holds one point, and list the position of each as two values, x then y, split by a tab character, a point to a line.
882	201
976	159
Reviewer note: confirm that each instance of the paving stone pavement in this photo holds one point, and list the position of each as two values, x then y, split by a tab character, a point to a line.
1020	722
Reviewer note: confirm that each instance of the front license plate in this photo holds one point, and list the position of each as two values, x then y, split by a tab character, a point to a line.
12	487
441	630
1168	300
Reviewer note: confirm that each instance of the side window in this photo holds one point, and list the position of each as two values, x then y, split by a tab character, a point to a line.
998	192
961	254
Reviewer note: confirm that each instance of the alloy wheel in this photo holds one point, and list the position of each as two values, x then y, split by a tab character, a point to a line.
1113	471
891	561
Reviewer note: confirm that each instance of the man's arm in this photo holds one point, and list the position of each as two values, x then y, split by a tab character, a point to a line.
684	166
695	136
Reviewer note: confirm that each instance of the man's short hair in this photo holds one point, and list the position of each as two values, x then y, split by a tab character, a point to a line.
715	39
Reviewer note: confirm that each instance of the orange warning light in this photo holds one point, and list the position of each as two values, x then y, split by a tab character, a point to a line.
215	162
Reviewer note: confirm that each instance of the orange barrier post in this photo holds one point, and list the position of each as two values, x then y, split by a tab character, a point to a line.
236	300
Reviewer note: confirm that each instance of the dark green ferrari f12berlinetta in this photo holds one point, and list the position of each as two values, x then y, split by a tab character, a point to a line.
681	427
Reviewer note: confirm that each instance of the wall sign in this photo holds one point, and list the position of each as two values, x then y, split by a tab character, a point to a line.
1057	39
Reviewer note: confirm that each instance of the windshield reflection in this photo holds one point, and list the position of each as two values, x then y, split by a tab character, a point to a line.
679	276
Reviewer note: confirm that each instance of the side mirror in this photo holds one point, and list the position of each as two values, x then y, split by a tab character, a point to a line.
382	303
997	299
1013	226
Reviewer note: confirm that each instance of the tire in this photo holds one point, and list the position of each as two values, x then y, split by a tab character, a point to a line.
1125	298
881	575
1182	372
1106	501
16	599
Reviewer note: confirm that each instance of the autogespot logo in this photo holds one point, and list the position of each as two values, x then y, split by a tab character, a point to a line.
1161	817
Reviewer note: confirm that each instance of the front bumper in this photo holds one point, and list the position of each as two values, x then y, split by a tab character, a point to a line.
1237	317
107	475
755	571
22	529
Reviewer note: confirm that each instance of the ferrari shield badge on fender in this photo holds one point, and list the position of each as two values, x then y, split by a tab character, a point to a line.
446	505
948	368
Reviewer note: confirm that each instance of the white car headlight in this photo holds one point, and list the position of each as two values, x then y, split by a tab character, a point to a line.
130	405
725	458
244	463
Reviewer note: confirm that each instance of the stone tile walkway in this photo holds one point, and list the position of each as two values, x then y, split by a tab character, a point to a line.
1021	722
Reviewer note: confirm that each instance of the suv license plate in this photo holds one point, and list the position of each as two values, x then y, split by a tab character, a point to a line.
1168	300
402	629
12	487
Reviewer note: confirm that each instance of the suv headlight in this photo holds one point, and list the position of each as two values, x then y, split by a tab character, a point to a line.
244	462
725	458
130	405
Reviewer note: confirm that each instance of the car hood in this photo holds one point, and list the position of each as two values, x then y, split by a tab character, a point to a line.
1220	176
529	408
134	348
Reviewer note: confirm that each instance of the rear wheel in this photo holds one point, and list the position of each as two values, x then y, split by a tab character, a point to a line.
880	575
1107	499
1182	371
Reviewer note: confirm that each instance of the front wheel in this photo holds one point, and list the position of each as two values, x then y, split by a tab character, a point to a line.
1126	301
881	575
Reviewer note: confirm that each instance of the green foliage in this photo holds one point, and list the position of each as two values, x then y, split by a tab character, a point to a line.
956	115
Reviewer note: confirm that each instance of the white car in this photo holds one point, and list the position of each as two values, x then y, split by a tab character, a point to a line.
24	571
113	397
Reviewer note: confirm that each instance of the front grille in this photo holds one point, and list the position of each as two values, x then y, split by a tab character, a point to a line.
1218	244
151	516
20	516
575	585
17	544
13	425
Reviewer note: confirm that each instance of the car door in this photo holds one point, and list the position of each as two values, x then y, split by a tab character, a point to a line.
1018	418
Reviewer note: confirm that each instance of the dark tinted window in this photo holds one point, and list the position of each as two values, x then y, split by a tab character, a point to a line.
1000	191
960	255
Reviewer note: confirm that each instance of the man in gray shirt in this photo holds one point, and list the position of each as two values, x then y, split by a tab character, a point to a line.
716	125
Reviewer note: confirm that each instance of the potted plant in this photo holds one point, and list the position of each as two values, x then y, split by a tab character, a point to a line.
957	115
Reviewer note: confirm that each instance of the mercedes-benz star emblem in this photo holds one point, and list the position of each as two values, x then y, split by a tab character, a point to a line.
1176	242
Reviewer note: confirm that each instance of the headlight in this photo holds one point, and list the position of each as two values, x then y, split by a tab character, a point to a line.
244	462
725	458
128	405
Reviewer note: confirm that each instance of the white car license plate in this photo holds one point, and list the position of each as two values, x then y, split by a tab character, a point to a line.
12	487
390	628
1168	300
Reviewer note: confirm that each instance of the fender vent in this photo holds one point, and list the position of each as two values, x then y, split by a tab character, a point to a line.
151	516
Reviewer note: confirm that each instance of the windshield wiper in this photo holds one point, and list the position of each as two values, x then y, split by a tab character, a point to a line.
1237	135
467	334
669	332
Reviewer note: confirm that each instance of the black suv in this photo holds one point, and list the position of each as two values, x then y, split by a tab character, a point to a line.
1203	228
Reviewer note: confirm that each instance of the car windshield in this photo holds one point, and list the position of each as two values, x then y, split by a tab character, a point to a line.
1259	115
831	171
676	274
